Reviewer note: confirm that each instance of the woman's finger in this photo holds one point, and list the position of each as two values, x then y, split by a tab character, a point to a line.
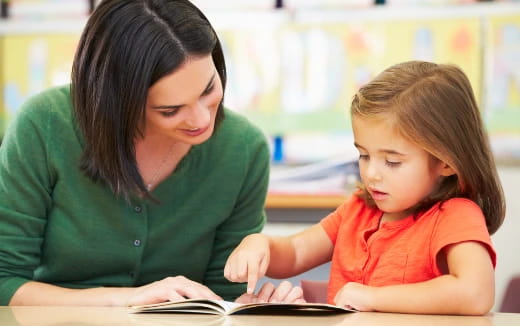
295	295
173	296
265	292
193	290
281	292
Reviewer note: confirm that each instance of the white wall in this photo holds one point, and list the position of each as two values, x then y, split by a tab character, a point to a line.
507	238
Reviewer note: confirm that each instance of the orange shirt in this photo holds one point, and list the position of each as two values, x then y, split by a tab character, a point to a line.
401	251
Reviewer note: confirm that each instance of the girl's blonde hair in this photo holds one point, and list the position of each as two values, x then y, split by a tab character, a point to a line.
433	106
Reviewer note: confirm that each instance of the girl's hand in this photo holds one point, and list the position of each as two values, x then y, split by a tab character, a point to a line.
284	293
170	289
249	261
355	295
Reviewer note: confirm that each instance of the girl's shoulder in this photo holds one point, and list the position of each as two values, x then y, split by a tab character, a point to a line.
456	213
459	205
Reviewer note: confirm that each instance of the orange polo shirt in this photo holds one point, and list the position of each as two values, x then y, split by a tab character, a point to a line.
401	251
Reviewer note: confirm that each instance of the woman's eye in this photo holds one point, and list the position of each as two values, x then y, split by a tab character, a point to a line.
209	90
392	164
168	113
363	157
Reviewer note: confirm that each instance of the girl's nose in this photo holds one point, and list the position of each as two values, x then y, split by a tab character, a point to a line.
372	171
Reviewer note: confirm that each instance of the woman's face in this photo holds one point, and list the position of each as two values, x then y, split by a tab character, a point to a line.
183	105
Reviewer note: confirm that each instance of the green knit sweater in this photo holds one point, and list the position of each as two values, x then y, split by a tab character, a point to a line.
59	227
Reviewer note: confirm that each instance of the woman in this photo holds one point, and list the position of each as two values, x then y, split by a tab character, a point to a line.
133	184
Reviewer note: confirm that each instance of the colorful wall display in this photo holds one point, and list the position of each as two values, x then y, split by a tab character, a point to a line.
31	64
502	84
502	75
295	77
303	76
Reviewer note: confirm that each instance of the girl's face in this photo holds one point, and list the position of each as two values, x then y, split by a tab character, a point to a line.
397	173
183	105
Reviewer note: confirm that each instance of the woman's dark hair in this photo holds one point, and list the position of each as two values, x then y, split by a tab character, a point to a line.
127	46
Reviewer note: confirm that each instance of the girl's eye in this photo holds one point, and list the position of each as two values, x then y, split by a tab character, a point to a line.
392	164
169	113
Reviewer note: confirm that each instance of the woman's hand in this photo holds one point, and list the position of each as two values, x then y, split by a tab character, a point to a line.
355	295
249	261
285	293
170	289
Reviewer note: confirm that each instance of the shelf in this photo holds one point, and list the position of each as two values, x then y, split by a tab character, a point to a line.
304	201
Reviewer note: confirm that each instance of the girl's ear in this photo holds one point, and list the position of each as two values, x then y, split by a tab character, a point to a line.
446	170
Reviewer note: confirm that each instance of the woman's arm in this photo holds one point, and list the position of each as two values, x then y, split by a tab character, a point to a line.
171	288
467	289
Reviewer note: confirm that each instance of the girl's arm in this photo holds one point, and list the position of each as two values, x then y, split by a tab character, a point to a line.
277	257
300	252
467	289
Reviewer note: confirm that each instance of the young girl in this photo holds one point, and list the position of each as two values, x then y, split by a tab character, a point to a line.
415	238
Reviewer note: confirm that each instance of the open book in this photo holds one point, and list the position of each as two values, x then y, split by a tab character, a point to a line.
217	307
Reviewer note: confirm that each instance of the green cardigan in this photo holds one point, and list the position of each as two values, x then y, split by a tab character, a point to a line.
59	227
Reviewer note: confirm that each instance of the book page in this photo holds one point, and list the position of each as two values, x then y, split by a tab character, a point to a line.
206	306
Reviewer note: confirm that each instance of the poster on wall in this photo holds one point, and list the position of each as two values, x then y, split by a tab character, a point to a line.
295	79
502	82
298	80
32	64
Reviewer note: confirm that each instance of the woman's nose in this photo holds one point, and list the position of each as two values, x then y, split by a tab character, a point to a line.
199	116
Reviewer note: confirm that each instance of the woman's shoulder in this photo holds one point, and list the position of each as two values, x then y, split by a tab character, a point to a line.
50	102
235	127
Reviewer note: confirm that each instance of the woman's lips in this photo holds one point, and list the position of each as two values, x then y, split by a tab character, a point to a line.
195	132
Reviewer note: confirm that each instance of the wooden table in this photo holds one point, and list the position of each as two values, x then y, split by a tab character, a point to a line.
89	316
301	208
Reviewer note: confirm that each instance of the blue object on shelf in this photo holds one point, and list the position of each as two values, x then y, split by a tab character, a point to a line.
278	155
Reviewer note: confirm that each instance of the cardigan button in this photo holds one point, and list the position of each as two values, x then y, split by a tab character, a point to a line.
138	209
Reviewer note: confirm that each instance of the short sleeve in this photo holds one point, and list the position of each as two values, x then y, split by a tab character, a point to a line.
332	222
461	220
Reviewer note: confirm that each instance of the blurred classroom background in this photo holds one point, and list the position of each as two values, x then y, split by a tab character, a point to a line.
293	66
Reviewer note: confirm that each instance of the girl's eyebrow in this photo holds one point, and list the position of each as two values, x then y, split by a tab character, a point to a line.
386	151
208	86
